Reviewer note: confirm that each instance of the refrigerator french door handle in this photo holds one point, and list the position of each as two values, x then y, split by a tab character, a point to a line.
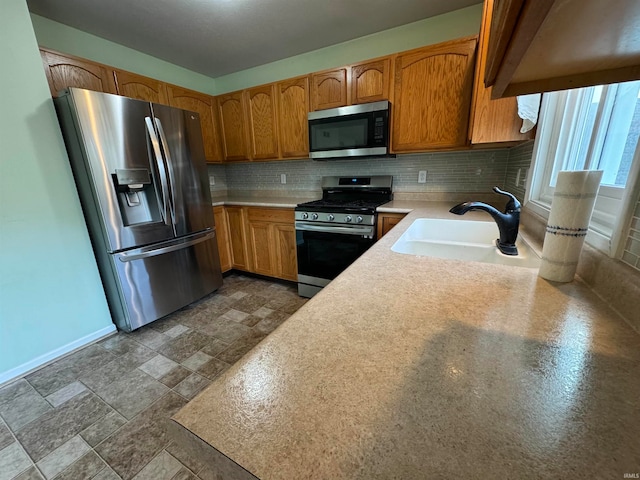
167	155
147	252
157	155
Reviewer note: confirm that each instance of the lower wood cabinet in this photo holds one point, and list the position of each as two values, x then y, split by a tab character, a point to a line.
238	237
260	240
386	221
222	235
272	242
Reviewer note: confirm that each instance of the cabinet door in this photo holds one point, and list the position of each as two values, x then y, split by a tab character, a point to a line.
293	127
222	234
238	237
233	130
205	106
370	81
329	89
142	88
386	221
261	247
263	135
432	96
285	250
492	121
64	71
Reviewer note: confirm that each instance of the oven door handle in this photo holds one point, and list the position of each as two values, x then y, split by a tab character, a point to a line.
366	231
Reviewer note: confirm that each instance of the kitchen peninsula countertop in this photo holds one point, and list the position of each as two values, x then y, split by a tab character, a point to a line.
417	367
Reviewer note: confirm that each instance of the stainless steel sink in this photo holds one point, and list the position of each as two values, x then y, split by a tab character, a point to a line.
461	240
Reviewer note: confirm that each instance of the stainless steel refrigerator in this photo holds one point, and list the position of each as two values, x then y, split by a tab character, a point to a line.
142	180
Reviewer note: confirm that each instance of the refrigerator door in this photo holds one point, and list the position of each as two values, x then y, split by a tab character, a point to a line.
116	157
180	137
160	279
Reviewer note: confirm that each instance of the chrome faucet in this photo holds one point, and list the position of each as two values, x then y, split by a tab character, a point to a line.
508	222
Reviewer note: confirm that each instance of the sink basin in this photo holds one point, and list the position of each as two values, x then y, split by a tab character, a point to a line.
461	240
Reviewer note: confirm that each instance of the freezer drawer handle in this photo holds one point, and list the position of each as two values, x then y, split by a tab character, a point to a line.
137	255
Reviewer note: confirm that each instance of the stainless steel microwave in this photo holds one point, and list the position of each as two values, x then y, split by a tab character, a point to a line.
355	131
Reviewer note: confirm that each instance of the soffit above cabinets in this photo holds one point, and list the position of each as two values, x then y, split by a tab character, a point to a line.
547	45
218	37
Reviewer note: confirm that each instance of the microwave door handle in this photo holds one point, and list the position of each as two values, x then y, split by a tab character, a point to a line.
162	172
167	155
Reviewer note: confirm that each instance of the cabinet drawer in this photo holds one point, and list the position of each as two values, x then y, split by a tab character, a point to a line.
270	215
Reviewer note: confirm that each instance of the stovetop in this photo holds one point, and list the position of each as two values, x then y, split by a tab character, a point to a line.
341	205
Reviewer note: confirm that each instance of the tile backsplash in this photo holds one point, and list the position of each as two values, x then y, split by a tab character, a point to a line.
468	171
519	161
475	171
631	253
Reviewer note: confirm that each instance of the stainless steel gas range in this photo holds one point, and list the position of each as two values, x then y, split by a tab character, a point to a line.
334	231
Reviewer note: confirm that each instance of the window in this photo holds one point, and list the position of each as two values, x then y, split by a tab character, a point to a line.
592	128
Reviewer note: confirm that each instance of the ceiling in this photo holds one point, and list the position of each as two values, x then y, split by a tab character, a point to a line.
218	37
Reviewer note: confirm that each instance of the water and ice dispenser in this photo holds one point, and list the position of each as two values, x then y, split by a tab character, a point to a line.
137	196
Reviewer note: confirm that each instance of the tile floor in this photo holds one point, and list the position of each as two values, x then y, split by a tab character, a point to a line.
100	413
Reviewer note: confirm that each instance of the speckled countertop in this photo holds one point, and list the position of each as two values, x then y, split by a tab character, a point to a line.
256	199
417	367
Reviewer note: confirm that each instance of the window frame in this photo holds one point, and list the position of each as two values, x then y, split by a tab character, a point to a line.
606	229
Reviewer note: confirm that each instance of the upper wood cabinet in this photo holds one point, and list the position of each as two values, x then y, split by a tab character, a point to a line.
432	96
548	45
329	89
205	105
292	106
137	86
262	122
492	121
266	122
370	81
233	126
65	71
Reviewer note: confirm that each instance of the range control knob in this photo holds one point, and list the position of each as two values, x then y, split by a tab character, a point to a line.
305	215
314	216
347	218
330	217
358	219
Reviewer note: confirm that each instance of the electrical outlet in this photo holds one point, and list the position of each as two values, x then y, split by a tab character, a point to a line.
526	175
479	171
283	178
518	177
422	176
212	181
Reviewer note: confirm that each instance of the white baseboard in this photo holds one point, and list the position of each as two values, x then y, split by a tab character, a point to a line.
55	354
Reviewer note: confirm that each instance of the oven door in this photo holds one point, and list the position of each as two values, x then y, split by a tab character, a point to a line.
325	250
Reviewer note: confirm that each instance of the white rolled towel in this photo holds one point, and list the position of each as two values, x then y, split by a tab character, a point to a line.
571	209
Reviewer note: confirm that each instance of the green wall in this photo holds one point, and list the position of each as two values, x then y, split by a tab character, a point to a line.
444	27
69	40
448	26
51	298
